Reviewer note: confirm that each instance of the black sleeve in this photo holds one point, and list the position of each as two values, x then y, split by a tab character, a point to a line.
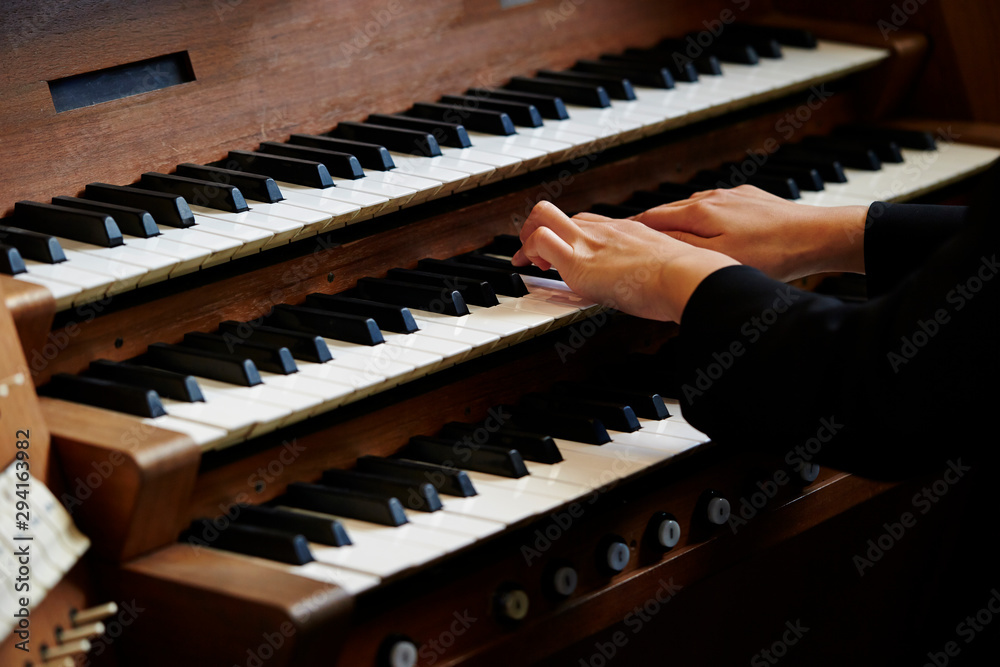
900	237
876	388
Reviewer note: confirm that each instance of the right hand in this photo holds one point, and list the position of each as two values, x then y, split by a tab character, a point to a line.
783	239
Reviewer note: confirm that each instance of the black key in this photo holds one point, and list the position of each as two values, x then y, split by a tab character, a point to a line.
168	384
446	133
525	115
618	88
505	265
614	415
291	170
680	65
105	394
318	529
276	545
477	120
502	244
732	51
617	211
349	328
397	139
766	47
828	167
307	347
341	165
532	446
476	292
71	223
32	245
388	317
648	405
855	157
166	209
371	156
790	36
915	139
421	297
885	150
588	430
481	458
574	93
782	186
196	191
679	191
647	199
134	221
272	358
639	74
548	105
447	480
221	367
342	502
253	186
11	262
805	177
419	496
504	282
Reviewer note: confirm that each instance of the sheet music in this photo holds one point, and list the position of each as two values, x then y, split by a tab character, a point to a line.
39	544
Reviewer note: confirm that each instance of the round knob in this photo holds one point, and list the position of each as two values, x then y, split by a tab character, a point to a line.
718	510
512	603
563	581
613	554
808	472
397	651
664	530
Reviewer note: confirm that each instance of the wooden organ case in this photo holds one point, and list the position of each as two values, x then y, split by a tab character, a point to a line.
206	78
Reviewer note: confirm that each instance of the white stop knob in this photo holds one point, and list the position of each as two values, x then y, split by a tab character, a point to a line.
718	510
514	604
403	654
617	556
668	533
809	472
564	581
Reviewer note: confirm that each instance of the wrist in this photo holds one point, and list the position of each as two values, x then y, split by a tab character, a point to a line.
837	240
684	274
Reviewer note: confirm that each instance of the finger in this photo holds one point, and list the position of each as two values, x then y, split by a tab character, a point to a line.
591	217
547	214
546	249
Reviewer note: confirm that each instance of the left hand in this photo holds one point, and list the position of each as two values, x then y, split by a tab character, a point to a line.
620	263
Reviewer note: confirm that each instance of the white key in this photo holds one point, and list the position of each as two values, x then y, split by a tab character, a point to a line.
542	486
424	188
126	276
481	342
251	239
366	368
330	394
221	249
625	459
93	286
450	180
298	406
369	205
675	427
450	351
179	258
505	164
206	437
309	218
506	330
63	293
590	472
282	230
239	419
352	582
500	505
362	532
456	523
659	441
339	212
395	362
398	195
373	556
157	266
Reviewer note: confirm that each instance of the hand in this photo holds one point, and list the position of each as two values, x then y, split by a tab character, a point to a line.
620	263
781	238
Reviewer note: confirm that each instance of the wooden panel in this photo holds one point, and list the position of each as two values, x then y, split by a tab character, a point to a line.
267	68
126	482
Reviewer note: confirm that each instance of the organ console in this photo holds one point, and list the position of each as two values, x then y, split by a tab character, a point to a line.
261	326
